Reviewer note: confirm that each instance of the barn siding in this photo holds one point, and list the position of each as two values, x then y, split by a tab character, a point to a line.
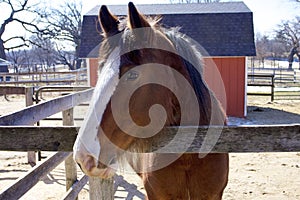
232	71
93	71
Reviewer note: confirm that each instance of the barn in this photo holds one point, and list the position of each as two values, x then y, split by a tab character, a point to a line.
4	68
224	30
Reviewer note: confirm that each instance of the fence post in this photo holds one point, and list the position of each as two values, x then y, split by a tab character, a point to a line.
272	88
29	101
70	165
77	78
101	189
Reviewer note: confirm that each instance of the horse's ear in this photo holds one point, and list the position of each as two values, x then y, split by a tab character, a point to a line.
109	22
136	20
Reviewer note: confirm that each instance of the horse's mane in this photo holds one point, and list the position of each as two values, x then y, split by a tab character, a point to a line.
211	111
194	66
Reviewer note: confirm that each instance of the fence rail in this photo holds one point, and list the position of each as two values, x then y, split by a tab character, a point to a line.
283	85
281	75
250	138
25	183
39	78
33	114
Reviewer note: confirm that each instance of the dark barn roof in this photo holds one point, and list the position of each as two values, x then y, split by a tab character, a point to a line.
223	29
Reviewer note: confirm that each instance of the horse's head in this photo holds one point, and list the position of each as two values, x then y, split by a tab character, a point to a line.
137	93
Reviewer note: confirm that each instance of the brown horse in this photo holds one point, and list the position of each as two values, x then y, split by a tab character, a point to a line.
150	78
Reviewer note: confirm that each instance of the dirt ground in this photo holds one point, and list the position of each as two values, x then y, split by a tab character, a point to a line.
252	176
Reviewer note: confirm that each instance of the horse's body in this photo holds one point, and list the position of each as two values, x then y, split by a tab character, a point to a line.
127	63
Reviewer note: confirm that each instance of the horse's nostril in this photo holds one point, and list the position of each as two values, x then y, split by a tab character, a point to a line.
101	165
86	163
89	163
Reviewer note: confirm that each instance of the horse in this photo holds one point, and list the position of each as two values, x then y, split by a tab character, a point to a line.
150	78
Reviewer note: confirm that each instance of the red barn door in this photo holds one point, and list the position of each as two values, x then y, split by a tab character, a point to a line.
233	73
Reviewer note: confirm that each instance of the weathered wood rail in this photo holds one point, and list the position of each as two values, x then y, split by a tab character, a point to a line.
25	183
250	138
14	131
33	114
6	90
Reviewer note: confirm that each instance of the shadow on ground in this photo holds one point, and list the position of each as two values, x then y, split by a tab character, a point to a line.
265	115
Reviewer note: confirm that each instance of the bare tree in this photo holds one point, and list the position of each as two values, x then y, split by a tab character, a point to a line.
60	25
64	23
17	57
267	48
262	48
43	52
289	32
16	8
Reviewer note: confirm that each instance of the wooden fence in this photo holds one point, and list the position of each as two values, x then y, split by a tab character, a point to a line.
31	115
74	186
28	92
44	78
13	131
282	86
281	75
262	80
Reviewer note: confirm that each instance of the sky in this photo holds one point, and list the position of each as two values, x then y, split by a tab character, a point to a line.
267	14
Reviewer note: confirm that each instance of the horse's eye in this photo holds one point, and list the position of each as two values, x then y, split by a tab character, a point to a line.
132	75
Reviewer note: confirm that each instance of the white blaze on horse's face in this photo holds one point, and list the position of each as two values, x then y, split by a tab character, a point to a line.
87	147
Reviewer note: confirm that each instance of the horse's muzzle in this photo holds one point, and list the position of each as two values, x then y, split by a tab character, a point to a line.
91	167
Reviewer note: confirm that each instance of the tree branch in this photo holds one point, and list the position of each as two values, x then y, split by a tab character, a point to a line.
16	46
